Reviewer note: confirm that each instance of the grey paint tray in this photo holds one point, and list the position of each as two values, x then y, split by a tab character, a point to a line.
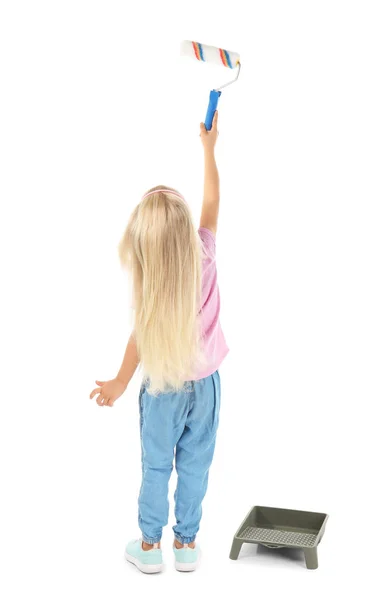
282	527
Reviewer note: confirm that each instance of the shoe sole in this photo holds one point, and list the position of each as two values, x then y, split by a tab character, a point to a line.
186	567
148	569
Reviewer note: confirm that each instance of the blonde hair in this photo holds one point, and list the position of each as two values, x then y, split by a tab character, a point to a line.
161	249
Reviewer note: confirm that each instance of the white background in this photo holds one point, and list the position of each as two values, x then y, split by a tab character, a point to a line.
96	107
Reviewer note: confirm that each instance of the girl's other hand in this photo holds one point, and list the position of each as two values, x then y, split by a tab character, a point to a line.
209	138
108	392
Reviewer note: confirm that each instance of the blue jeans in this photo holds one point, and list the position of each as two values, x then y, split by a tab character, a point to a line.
183	426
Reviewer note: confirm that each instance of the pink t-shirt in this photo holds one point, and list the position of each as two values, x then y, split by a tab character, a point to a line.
215	346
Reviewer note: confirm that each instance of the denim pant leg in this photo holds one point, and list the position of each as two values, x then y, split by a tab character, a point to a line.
194	454
162	421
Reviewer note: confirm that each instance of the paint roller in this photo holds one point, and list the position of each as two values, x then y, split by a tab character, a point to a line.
217	56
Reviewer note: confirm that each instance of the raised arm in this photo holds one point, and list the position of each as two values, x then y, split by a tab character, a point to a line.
210	205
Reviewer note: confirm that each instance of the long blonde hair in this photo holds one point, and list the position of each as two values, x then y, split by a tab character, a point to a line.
161	249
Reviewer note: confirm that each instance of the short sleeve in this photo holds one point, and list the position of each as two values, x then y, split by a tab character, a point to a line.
208	240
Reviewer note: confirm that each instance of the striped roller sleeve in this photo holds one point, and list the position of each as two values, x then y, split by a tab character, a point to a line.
225	58
198	51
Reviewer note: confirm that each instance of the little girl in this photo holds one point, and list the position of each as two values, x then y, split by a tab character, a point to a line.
178	341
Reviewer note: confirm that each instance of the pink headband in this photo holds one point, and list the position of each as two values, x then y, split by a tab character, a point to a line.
164	191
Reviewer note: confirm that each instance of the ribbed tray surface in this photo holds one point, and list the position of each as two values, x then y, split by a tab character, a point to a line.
275	536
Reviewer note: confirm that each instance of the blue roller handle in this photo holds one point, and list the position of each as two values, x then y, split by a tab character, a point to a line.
213	101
